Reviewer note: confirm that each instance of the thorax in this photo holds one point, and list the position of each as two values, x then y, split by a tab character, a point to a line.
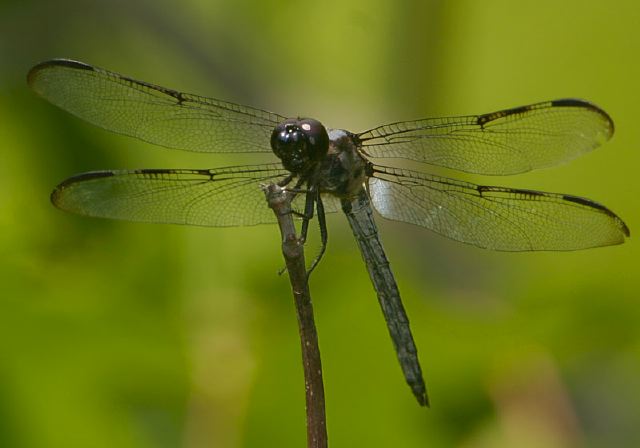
343	170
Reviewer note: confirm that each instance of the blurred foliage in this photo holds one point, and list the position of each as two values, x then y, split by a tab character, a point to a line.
128	335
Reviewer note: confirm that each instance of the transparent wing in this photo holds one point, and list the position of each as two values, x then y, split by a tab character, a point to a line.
152	113
509	141
219	198
495	218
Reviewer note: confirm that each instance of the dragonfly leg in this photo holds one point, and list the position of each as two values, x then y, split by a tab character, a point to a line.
296	190
324	235
284	182
308	214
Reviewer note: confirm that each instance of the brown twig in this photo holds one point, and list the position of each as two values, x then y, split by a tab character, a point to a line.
279	201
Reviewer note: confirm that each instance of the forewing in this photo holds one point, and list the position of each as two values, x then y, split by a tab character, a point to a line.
219	198
495	218
152	113
509	141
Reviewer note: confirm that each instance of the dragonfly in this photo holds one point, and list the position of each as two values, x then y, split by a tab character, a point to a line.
329	170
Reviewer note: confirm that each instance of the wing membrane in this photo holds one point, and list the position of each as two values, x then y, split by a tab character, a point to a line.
495	218
219	198
510	141
152	113
216	198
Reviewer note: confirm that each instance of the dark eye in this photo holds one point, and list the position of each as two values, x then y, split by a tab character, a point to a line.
299	142
317	137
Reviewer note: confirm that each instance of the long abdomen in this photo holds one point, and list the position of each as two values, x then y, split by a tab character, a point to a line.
360	216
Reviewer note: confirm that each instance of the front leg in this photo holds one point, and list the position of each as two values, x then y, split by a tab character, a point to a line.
312	198
324	234
307	215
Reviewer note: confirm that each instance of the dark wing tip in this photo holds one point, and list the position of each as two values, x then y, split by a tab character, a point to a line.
57	192
577	102
626	230
596	205
38	68
623	226
484	119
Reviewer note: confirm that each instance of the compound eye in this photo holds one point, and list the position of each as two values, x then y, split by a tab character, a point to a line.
287	138
316	136
297	142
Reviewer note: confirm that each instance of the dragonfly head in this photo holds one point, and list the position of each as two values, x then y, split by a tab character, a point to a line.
299	142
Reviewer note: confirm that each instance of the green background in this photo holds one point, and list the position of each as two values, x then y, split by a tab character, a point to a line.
123	335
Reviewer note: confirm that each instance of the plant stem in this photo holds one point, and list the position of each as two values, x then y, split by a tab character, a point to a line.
279	201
